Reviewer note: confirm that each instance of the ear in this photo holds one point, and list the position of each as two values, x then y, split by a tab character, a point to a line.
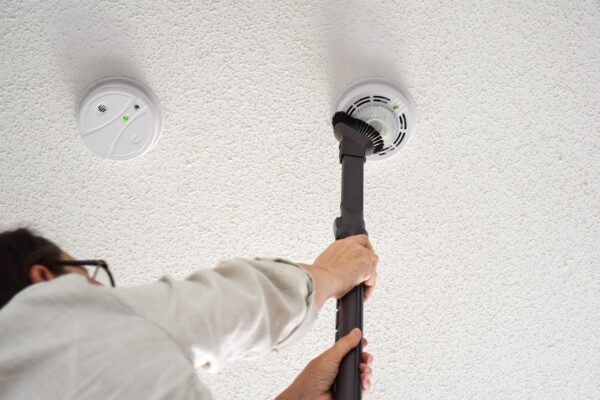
40	273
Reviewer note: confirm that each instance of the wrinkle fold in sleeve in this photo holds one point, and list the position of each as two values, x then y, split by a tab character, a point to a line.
240	309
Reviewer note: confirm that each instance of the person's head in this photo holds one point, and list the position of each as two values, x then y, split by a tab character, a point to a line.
27	258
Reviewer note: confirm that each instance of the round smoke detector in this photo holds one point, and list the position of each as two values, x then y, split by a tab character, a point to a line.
386	107
119	119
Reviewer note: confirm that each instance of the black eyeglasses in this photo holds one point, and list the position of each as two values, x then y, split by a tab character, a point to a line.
96	269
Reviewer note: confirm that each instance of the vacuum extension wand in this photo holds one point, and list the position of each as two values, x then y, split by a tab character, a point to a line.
356	138
373	120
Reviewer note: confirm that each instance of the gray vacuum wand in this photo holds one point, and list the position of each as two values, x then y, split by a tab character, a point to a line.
357	139
374	119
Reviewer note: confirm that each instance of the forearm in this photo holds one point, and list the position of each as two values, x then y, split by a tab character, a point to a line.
240	308
326	285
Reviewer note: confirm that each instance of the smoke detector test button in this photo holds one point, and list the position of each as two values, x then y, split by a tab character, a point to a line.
119	119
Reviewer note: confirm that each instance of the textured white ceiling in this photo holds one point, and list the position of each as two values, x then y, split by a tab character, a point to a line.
487	224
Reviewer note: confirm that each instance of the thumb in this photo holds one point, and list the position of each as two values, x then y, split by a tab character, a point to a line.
345	344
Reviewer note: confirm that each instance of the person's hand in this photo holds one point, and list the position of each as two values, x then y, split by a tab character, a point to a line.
351	261
315	381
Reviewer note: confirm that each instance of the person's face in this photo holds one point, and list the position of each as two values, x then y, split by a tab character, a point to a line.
75	269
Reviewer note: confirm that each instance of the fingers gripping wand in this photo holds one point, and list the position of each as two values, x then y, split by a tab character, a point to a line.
374	118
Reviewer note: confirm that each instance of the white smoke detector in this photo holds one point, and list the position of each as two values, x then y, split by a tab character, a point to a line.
119	119
385	106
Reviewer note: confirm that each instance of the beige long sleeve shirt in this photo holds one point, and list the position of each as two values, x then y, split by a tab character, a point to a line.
66	339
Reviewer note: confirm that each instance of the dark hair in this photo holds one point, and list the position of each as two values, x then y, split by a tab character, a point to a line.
19	251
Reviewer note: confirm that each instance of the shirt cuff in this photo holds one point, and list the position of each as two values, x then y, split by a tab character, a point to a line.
311	312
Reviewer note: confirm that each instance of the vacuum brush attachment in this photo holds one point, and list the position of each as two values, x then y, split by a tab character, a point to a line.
351	129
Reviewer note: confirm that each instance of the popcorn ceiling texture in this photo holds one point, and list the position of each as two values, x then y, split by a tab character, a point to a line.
487	223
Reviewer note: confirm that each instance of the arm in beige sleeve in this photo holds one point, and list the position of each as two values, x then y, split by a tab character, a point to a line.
240	309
